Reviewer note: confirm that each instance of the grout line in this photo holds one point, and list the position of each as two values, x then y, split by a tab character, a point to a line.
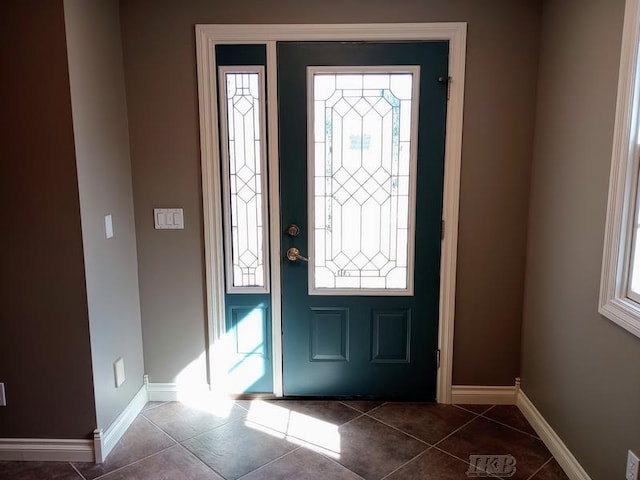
77	471
376	408
462	407
339	464
420	440
399	430
190	438
133	463
309	446
360	411
305	444
541	467
352	408
235	402
151	408
406	463
193	436
159	428
466	462
353	419
143	458
454	432
269	462
198	459
511	427
361	414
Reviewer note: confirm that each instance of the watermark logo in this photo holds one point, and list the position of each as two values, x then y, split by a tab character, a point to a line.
484	465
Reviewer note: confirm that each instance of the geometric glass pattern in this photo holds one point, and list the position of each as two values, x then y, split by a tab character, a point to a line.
362	180
244	179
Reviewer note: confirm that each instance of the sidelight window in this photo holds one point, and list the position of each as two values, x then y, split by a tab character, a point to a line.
244	182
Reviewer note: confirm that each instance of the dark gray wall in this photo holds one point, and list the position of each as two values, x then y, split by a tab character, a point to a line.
580	370
45	357
160	69
104	181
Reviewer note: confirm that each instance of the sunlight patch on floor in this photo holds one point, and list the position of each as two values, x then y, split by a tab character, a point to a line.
295	427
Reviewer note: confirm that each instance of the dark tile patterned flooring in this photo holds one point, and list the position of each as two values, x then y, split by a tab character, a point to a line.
310	440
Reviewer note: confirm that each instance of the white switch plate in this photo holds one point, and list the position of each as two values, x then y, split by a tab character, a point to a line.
632	466
168	218
118	371
3	397
108	226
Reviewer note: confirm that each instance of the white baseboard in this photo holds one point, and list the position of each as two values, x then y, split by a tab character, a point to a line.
72	450
46	450
105	441
484	395
173	392
163	392
554	443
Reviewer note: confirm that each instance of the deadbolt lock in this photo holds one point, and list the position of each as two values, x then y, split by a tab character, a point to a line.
293	230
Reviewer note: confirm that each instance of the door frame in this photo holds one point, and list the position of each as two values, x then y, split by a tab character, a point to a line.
207	37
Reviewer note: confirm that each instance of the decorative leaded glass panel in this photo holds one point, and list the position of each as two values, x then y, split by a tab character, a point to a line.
362	180
244	180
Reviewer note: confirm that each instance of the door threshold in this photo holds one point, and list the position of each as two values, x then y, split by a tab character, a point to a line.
339	398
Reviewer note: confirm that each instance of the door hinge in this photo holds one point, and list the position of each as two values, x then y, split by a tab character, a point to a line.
446	80
438	358
442	229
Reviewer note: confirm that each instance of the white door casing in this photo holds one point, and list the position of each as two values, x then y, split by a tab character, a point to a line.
207	36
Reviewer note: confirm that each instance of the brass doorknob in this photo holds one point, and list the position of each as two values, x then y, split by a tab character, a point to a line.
293	254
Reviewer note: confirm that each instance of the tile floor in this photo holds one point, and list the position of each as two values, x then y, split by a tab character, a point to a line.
311	440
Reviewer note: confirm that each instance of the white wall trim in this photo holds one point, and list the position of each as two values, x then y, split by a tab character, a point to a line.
260	33
173	392
105	442
489	395
207	36
484	395
274	217
554	443
163	392
211	199
457	36
46	450
614	303
72	450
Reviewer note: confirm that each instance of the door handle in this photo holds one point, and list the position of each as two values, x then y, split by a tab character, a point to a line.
293	254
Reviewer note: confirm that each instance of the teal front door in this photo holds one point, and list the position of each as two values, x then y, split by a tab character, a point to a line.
361	136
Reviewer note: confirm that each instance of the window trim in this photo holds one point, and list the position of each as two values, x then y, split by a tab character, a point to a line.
614	302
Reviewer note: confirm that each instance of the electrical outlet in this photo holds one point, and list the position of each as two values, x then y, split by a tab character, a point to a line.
118	371
3	396
632	466
108	226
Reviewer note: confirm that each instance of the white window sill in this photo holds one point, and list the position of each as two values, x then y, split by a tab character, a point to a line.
624	312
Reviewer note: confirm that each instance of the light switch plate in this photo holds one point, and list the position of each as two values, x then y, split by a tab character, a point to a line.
108	226
118	371
168	218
